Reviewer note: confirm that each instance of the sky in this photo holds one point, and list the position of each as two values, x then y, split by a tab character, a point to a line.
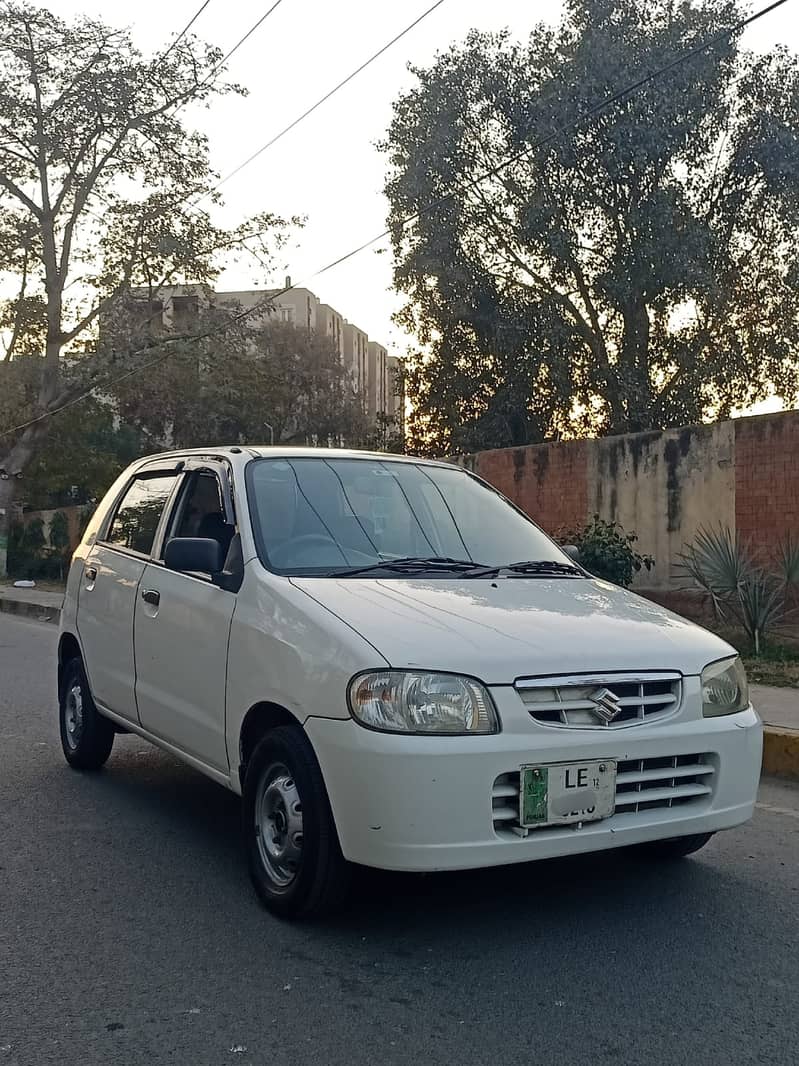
328	168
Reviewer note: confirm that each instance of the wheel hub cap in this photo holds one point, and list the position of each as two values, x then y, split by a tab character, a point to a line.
73	716
278	825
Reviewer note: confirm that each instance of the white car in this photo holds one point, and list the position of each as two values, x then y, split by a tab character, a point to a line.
394	667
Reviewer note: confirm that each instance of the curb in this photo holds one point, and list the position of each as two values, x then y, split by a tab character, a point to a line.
781	752
23	609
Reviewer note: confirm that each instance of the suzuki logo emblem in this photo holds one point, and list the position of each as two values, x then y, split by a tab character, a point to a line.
606	707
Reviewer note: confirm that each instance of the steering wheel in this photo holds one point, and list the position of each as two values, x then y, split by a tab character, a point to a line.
292	552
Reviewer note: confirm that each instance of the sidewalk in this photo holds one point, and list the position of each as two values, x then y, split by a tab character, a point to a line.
31	603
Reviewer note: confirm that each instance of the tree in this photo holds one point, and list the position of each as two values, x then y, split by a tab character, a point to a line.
97	179
635	271
80	457
272	380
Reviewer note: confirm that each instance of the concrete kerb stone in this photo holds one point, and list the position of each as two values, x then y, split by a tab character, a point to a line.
40	612
781	752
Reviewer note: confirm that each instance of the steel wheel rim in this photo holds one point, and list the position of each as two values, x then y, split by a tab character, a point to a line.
279	824
73	715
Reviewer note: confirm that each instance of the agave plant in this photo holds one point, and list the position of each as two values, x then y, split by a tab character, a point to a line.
788	561
761	606
724	567
719	563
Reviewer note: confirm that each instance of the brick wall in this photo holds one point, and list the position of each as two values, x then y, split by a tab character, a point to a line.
767	478
548	481
662	486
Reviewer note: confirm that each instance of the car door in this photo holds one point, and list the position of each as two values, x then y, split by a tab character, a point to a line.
107	597
182	625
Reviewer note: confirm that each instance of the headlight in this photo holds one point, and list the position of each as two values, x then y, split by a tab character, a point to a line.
725	689
404	701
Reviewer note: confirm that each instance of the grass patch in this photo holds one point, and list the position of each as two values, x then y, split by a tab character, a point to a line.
781	674
777	664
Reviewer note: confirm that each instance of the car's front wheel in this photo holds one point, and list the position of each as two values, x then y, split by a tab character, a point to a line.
675	848
86	737
292	846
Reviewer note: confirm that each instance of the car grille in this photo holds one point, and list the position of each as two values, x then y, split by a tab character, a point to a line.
566	701
641	785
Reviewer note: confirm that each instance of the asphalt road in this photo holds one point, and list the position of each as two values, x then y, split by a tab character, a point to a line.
129	933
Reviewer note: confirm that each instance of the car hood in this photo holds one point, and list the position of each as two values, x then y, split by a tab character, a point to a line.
498	630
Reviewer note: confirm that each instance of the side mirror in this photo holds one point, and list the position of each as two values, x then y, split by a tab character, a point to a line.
194	555
572	551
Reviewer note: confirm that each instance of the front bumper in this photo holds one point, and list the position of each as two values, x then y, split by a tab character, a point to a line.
425	803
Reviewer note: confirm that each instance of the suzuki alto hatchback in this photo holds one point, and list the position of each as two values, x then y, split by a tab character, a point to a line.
394	667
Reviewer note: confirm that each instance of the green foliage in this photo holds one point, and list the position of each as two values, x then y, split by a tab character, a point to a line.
272	375
718	563
100	187
607	551
81	455
27	552
59	531
788	561
742	589
636	271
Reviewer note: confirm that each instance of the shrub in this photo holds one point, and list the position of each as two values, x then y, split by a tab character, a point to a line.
607	551
741	588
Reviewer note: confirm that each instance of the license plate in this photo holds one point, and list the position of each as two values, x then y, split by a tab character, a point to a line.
569	792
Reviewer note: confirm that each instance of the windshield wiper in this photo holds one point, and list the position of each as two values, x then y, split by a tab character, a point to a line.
531	568
411	564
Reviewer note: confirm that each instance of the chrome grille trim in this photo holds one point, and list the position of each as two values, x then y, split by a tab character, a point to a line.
564	700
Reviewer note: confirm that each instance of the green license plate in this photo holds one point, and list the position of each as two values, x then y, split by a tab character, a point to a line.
564	793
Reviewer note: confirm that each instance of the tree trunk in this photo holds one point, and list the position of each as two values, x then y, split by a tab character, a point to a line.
12	464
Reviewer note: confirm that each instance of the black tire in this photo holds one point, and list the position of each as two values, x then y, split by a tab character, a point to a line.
304	878
86	737
675	848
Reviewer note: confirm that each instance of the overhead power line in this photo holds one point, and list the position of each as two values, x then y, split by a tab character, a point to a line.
323	100
600	105
185	29
212	73
246	36
553	135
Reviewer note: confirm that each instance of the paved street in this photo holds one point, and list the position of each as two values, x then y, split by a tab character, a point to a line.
129	933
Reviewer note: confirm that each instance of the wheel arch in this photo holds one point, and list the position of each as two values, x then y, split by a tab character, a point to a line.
68	649
260	718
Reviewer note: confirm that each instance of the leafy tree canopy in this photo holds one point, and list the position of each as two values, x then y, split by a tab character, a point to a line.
102	188
637	271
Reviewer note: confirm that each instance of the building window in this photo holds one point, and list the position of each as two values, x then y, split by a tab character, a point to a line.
185	310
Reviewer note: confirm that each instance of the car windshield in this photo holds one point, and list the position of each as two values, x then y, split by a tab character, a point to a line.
320	516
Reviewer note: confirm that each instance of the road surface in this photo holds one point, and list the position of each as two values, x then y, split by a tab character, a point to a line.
129	934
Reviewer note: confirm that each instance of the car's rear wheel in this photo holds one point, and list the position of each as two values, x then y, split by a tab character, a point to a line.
675	848
86	737
292	846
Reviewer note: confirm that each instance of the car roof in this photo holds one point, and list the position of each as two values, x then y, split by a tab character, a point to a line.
237	452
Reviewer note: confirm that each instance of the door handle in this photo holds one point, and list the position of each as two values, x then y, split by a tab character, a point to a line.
151	596
91	573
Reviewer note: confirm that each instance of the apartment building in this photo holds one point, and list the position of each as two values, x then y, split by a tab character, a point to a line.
356	359
373	371
395	398
299	307
377	380
331	324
